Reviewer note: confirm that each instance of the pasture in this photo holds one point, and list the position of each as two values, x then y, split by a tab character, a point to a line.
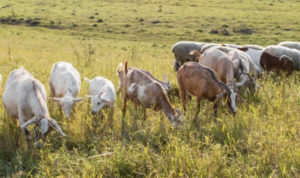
262	140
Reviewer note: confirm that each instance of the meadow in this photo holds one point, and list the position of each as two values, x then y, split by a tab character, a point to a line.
262	140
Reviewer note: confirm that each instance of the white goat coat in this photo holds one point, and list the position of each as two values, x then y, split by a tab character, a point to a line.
255	55
290	44
64	77
101	84
20	98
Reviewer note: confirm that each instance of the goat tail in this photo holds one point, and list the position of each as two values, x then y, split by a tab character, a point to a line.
125	67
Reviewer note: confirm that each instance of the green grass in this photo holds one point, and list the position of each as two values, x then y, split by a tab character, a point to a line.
262	140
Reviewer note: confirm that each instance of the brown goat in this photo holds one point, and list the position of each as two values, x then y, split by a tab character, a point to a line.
270	62
202	82
143	90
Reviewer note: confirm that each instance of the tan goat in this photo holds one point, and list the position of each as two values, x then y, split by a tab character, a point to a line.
202	82
221	64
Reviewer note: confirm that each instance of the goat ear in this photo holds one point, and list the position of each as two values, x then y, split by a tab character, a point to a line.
89	96
242	49
31	121
108	101
55	125
101	93
76	100
56	99
87	80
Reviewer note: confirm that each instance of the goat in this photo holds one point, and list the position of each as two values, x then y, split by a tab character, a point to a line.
255	52
280	58
165	83
202	82
221	64
181	52
143	90
219	57
102	93
25	98
65	85
290	44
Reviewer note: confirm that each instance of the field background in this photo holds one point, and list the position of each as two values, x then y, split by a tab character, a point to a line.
263	140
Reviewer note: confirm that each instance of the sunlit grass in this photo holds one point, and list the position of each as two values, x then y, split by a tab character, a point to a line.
262	140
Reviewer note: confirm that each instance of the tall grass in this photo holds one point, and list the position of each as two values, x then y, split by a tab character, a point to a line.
262	140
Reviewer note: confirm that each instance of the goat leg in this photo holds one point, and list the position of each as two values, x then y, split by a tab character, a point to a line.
28	138
111	116
124	104
197	111
183	99
216	109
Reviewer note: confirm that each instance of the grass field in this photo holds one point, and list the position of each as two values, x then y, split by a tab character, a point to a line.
262	140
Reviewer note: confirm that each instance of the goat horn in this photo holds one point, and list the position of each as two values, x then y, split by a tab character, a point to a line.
287	57
119	66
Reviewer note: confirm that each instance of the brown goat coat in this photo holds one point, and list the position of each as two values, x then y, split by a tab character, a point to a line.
154	94
271	62
205	88
220	63
200	81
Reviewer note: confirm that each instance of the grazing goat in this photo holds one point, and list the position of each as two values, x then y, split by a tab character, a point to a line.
143	90
202	82
166	84
65	85
242	66
290	44
25	98
102	93
280	58
255	52
181	51
241	62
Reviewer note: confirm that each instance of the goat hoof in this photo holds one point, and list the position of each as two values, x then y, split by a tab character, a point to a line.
38	145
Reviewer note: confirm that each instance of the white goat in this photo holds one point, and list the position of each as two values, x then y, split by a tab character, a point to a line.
255	52
102	93
290	44
25	98
65	85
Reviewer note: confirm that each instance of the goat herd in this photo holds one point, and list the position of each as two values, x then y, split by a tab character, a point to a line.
205	70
